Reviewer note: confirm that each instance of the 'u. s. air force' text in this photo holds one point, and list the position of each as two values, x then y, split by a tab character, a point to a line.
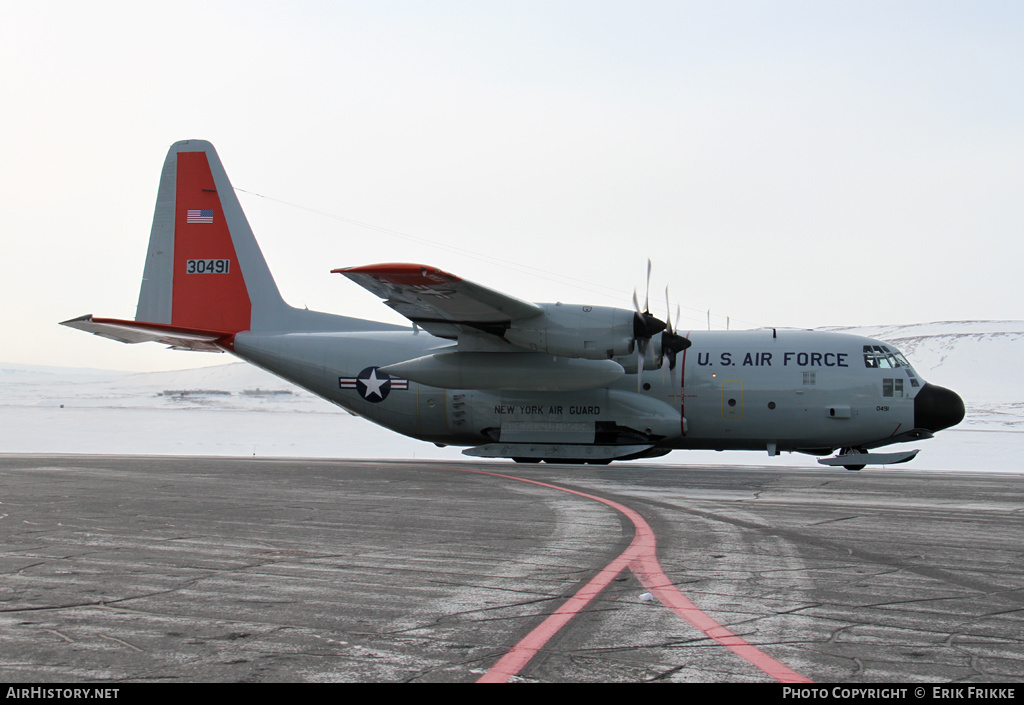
767	359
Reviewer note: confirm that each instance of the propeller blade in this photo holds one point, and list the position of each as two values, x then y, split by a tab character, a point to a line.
641	360
647	293
668	361
668	313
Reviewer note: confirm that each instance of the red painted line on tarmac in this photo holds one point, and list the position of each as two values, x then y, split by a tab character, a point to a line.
640	557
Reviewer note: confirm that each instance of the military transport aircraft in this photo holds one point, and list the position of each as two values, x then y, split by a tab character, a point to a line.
510	378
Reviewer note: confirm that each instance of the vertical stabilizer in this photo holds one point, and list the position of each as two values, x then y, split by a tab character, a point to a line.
204	269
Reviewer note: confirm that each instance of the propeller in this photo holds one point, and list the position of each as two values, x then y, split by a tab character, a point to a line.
645	327
671	342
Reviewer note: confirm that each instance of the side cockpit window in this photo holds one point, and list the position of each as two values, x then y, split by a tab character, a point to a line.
869	357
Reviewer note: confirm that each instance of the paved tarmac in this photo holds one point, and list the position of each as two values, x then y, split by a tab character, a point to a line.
141	569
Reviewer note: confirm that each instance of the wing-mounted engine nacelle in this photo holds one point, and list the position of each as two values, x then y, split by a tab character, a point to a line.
570	330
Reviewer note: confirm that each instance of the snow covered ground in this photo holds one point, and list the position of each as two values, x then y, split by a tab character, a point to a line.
239	410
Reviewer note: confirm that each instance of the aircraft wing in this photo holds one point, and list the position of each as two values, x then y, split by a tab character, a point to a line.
441	303
136	332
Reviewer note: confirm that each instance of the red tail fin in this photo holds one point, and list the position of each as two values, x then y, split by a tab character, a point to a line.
209	289
205	278
204	269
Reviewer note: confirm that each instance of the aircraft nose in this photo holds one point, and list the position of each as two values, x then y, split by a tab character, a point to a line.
936	408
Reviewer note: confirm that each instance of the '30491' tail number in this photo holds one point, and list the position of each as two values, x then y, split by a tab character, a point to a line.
208	266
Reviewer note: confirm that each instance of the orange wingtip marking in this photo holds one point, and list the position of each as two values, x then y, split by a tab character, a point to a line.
401	273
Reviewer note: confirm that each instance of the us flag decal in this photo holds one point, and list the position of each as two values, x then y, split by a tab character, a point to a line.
200	215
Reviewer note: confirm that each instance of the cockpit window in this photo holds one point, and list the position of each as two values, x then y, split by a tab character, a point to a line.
882	357
883	352
879	356
869	357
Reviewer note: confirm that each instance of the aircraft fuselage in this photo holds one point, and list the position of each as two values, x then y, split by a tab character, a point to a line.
774	390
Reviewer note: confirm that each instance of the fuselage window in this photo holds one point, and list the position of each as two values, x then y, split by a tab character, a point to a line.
892	387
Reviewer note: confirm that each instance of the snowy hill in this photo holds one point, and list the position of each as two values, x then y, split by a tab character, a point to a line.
45	409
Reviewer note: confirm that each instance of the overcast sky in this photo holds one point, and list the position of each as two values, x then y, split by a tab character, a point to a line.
782	163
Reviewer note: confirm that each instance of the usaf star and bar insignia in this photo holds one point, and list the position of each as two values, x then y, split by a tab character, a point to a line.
372	384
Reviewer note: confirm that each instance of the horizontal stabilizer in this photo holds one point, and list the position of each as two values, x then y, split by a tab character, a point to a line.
138	332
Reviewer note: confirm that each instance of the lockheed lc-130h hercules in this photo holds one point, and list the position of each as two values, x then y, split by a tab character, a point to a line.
510	378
